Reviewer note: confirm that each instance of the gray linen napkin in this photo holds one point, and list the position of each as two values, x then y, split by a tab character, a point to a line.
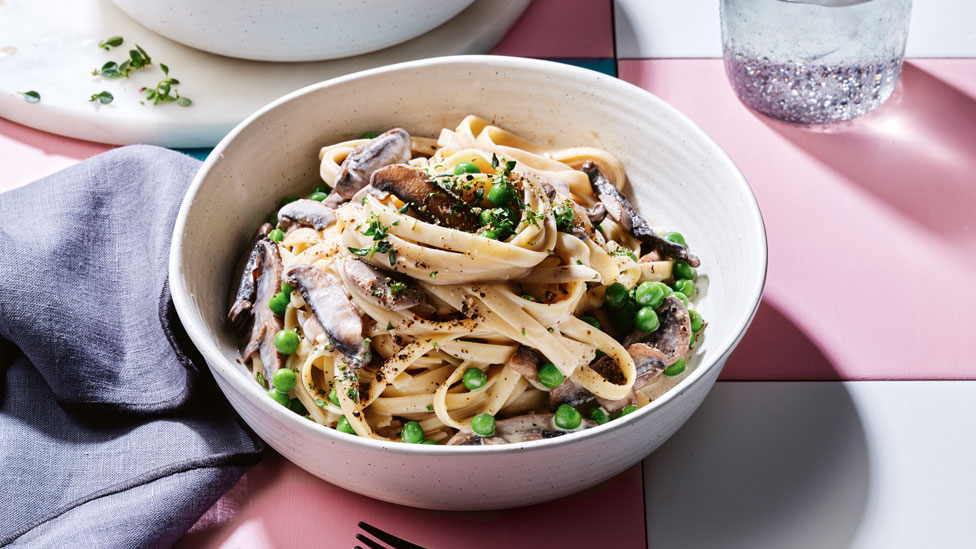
112	432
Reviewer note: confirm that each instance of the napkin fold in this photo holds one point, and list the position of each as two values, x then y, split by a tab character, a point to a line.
112	432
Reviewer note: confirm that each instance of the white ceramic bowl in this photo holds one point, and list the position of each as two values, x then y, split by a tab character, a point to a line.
291	30
680	179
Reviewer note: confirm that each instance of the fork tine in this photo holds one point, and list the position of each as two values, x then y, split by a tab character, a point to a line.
390	539
372	544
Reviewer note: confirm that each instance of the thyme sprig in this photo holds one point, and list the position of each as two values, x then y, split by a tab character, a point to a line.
165	90
138	59
111	42
379	233
102	97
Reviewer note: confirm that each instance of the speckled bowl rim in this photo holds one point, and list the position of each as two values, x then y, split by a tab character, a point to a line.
231	372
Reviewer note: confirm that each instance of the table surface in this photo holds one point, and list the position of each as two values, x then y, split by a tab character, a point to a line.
844	418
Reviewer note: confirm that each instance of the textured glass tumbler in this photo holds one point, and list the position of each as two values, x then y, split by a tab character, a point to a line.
814	61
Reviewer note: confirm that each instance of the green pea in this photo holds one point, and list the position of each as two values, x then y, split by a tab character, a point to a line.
650	294
682	297
286	288
592	321
278	303
691	340
428	441
677	238
646	319
675	368
501	194
599	415
682	270
474	378
296	406
616	295
685	286
284	379
487	216
344	427
629	409
317	196
279	397
567	417
276	235
412	433
370	135
286	200
466	167
550	376
333	396
625	316
321	189
483	424
286	341
697	322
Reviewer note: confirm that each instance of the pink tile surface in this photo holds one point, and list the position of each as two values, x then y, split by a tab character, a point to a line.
27	154
561	28
277	504
871	225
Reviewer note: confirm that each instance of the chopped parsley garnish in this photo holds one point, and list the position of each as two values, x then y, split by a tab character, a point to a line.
320	403
533	217
626	252
433	274
260	377
396	287
565	217
430	407
389	325
504	171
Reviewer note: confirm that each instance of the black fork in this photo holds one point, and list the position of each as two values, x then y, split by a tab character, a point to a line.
386	537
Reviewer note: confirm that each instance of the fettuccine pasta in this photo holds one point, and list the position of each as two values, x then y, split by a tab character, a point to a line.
477	288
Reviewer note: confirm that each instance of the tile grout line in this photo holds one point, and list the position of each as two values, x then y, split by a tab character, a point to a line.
613	36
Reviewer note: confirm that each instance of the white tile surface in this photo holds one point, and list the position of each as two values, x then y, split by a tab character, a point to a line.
690	28
884	464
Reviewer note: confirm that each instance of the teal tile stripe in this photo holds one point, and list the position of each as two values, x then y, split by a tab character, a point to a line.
606	66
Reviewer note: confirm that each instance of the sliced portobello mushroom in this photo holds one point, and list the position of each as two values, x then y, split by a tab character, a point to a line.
570	393
431	201
387	292
526	362
623	212
517	429
248	286
266	323
305	212
392	147
331	306
673	335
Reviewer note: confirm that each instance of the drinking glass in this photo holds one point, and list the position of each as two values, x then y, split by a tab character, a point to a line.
814	61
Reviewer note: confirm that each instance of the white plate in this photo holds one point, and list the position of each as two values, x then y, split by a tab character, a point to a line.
52	47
